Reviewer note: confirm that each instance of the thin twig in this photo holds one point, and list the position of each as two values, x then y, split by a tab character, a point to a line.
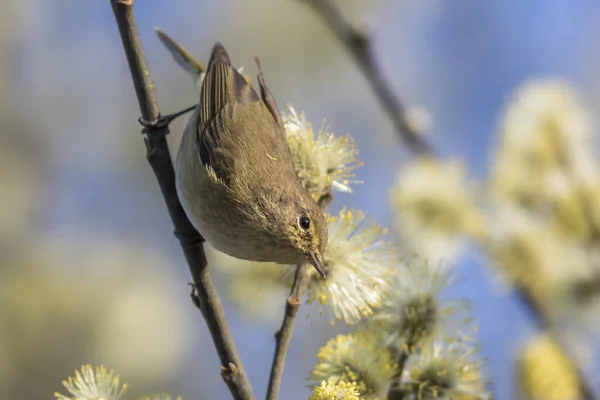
284	334
395	391
358	45
205	294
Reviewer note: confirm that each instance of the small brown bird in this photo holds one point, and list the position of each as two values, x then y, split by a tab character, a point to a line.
236	178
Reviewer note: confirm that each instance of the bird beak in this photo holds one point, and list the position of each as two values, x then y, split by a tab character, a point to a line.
316	262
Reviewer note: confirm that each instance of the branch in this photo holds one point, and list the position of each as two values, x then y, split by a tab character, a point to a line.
205	294
359	46
284	334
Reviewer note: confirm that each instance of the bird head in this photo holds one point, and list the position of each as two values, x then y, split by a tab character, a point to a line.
305	228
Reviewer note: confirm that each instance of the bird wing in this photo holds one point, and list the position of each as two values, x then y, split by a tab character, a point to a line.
222	86
232	135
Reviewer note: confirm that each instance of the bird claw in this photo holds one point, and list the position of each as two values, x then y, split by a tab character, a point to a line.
194	295
159	123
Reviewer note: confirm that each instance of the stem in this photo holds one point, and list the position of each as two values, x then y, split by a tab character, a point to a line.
395	391
158	156
284	334
359	46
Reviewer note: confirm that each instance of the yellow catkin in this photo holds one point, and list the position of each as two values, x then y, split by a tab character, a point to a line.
545	373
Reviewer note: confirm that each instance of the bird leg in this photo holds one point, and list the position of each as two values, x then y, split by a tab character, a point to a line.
162	121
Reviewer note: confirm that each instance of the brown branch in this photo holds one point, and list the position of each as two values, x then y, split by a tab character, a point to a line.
284	334
205	294
359	46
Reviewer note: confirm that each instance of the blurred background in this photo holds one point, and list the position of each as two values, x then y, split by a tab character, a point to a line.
90	271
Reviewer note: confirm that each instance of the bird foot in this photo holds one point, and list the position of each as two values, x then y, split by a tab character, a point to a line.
194	295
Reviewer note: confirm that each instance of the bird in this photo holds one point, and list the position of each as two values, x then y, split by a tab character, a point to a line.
235	175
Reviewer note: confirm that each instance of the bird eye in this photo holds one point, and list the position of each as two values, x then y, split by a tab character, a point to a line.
304	222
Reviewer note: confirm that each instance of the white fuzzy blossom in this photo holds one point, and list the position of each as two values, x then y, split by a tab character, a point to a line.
544	201
447	370
358	263
544	130
323	161
434	208
90	384
412	311
556	269
357	357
